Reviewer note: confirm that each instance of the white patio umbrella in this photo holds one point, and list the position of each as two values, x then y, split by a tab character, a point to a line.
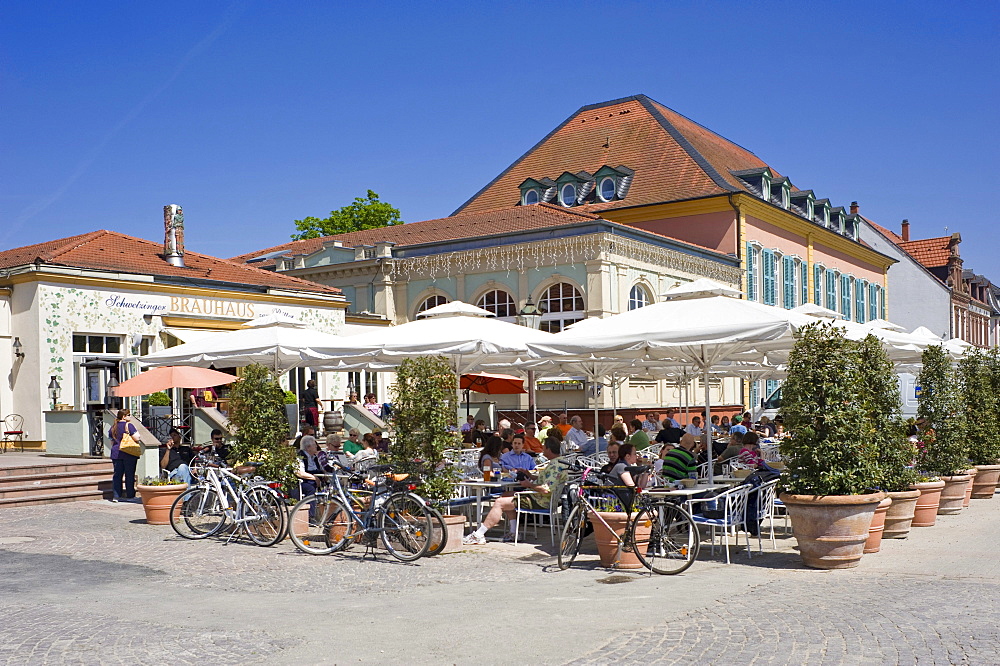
275	343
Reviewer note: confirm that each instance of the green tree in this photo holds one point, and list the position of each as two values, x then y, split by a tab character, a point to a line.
943	450
878	393
979	407
828	453
423	406
364	213
257	410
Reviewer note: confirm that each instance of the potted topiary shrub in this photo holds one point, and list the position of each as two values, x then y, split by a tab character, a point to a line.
942	449
158	495
829	489
894	453
159	404
291	412
979	377
256	411
423	407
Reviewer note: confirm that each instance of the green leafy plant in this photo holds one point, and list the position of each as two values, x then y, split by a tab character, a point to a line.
422	408
160	481
363	213
942	432
289	398
256	410
979	406
883	427
158	399
827	452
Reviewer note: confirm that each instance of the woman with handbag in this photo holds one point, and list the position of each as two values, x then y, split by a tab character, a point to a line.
125	452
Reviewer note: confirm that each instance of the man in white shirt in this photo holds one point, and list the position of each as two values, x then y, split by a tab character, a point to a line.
694	428
470	423
576	438
670	418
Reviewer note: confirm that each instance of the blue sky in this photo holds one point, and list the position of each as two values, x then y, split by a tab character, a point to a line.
253	114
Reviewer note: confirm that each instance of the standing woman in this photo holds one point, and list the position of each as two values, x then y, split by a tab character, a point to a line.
124	463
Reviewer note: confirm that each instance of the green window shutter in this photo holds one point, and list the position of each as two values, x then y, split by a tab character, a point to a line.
831	290
817	284
751	272
788	277
845	296
881	301
859	301
769	287
803	283
872	302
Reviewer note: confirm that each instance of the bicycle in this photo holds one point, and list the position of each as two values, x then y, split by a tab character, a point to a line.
670	548
222	497
331	519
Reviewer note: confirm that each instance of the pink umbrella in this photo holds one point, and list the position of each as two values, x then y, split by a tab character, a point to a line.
172	376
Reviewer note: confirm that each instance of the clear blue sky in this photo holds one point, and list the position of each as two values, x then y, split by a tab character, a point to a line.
253	114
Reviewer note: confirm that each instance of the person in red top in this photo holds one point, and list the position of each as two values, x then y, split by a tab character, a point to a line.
204	397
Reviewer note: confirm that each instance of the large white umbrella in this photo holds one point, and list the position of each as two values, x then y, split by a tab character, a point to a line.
275	343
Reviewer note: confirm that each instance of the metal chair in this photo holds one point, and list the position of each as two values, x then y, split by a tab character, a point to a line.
767	496
733	505
552	513
13	431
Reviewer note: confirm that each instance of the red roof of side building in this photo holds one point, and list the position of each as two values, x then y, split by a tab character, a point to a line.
510	219
112	251
673	157
891	235
931	252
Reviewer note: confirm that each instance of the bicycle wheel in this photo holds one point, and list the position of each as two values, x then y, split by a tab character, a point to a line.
197	513
319	525
665	538
572	536
439	532
406	527
264	516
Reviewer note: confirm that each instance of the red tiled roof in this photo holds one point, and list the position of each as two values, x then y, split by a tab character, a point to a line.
674	158
931	252
891	235
510	219
112	251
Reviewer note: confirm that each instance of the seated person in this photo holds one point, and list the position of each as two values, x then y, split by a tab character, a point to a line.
682	462
613	448
308	436
531	443
353	443
489	456
308	467
175	457
765	428
627	464
368	451
639	438
595	445
737	425
219	447
549	485
334	452
517	460
750	453
669	434
731	451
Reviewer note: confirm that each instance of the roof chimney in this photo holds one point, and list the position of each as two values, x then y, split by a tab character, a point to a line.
854	208
173	235
905	230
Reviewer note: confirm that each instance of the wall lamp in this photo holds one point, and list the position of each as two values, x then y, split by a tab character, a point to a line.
18	348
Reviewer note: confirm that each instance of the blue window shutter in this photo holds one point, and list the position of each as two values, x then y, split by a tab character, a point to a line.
845	296
803	283
872	302
770	294
881	301
751	272
817	284
788	277
859	301
831	290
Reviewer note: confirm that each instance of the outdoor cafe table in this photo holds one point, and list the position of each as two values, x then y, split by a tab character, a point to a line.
688	493
481	487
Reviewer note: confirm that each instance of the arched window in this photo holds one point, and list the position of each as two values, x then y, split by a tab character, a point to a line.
567	195
499	302
562	304
638	297
432	302
530	197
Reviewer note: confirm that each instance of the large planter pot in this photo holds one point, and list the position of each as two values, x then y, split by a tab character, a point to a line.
973	473
985	484
157	500
452	540
832	529
900	514
953	494
607	545
876	529
925	512
292	416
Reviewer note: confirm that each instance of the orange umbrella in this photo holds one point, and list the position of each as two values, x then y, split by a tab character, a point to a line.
172	376
484	382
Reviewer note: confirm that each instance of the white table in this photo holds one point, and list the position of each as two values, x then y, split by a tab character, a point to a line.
688	493
481	487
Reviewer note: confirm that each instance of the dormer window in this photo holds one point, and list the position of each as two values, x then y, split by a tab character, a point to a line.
851	224
758	181
821	212
567	195
802	203
607	189
530	197
534	191
613	182
780	190
837	219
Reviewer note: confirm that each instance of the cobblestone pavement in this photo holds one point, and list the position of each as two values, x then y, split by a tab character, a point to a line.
90	582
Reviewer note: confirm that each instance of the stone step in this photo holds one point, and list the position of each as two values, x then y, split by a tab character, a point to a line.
70	496
45	478
93	466
54	488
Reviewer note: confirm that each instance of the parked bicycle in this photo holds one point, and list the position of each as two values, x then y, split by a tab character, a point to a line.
333	518
222	497
662	534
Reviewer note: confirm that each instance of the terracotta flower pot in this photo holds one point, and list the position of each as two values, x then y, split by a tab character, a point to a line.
875	531
925	512
157	500
832	529
607	545
972	472
985	484
900	514
953	494
452	541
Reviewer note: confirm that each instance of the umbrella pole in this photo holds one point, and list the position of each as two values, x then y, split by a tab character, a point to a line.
531	396
707	432
596	447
